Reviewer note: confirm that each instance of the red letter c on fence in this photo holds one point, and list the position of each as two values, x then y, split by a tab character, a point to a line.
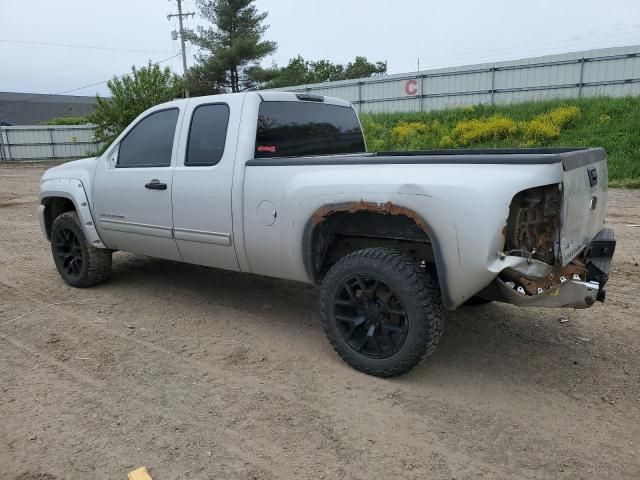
411	87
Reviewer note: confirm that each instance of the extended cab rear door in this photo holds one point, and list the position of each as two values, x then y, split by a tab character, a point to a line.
132	187
202	182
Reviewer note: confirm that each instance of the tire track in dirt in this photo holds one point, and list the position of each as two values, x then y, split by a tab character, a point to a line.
91	427
138	397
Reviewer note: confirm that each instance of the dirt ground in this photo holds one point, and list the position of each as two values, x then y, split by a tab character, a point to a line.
200	373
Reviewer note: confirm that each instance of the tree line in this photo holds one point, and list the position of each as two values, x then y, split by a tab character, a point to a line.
231	48
230	51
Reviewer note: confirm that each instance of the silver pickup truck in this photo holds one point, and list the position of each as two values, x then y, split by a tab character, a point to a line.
280	184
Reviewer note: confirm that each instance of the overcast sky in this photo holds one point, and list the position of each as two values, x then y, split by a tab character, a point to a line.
440	33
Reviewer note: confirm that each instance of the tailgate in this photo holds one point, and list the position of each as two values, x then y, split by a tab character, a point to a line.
585	188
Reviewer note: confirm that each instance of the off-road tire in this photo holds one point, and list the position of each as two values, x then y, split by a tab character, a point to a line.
412	284
96	262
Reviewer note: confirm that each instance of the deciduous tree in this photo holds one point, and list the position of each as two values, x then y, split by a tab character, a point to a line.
131	95
300	71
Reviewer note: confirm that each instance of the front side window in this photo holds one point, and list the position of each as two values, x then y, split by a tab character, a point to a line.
150	142
287	129
207	135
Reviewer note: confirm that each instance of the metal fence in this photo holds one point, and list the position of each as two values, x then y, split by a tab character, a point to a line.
42	143
604	72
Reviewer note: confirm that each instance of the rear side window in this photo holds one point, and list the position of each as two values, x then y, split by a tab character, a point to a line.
288	129
150	142
207	135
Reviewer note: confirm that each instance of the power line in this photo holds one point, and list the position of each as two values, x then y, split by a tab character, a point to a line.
41	96
92	47
518	50
533	49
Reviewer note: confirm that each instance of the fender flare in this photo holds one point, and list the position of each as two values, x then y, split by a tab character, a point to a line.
72	190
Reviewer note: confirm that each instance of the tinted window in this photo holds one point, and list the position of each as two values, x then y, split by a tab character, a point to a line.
287	129
150	142
207	135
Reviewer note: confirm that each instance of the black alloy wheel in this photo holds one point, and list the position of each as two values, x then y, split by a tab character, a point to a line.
79	263
370	316
66	246
381	311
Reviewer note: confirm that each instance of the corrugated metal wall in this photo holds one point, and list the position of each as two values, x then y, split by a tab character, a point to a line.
605	72
38	143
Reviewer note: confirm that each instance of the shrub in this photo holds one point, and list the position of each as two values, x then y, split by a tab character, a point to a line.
540	130
474	130
131	95
414	135
563	115
546	127
375	134
403	131
446	142
66	121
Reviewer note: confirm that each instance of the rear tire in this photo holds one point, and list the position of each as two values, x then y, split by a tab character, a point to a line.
78	263
381	311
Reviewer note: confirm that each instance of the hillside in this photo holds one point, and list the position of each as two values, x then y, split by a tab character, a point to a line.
612	123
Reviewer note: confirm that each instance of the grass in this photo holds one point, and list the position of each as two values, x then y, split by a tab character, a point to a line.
612	123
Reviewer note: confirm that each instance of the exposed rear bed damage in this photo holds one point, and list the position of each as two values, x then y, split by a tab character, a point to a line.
533	223
548	225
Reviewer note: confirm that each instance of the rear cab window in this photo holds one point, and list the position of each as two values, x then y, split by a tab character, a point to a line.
207	135
290	129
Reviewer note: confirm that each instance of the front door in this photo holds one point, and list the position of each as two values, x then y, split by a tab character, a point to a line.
132	189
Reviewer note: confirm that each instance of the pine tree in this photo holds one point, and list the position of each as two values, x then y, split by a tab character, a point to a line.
231	50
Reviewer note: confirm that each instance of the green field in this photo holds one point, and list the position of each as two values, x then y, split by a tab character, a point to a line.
612	123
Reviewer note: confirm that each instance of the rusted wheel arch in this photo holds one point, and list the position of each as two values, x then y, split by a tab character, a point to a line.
313	258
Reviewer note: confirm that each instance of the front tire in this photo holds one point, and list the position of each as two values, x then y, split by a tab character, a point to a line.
78	263
381	311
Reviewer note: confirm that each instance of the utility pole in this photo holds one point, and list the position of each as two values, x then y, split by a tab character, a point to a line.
184	53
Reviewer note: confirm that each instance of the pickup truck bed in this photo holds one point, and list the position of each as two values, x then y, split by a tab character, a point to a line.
457	179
